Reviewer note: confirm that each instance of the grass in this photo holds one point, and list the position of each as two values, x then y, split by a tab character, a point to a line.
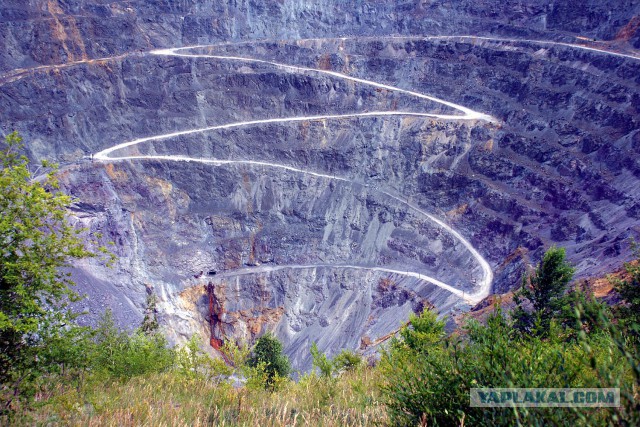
170	399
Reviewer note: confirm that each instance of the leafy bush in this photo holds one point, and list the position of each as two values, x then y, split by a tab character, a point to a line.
150	321
192	363
551	340
629	290
430	383
122	355
346	360
37	245
267	356
321	361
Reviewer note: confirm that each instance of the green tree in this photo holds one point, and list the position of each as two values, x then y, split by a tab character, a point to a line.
119	354
541	297
582	312
268	352
629	290
36	244
422	332
192	362
109	344
428	383
150	321
321	361
346	360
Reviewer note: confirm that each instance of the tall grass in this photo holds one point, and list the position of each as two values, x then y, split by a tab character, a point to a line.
171	399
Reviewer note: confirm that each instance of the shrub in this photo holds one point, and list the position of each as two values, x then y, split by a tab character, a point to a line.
346	360
321	361
37	245
629	290
267	355
119	354
193	363
428	381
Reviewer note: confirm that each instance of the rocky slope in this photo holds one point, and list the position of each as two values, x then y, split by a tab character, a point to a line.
57	31
557	164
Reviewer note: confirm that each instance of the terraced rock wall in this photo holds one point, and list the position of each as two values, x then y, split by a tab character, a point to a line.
57	31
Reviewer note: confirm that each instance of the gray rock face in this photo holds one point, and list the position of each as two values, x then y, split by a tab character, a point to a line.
58	31
286	246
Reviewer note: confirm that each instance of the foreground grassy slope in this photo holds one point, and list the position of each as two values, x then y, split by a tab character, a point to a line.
171	399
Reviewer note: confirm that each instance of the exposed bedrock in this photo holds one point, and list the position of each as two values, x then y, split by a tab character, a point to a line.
336	199
58	31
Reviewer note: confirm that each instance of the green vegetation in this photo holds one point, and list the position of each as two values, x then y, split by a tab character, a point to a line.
115	354
55	373
430	384
346	360
37	335
268	357
544	291
170	399
150	322
570	340
629	290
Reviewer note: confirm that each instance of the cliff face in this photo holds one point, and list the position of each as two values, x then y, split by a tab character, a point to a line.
320	228
57	31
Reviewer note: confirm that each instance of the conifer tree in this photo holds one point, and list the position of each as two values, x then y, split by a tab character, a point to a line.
150	321
541	297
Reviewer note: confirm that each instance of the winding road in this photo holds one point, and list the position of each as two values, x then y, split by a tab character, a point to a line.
20	73
483	288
